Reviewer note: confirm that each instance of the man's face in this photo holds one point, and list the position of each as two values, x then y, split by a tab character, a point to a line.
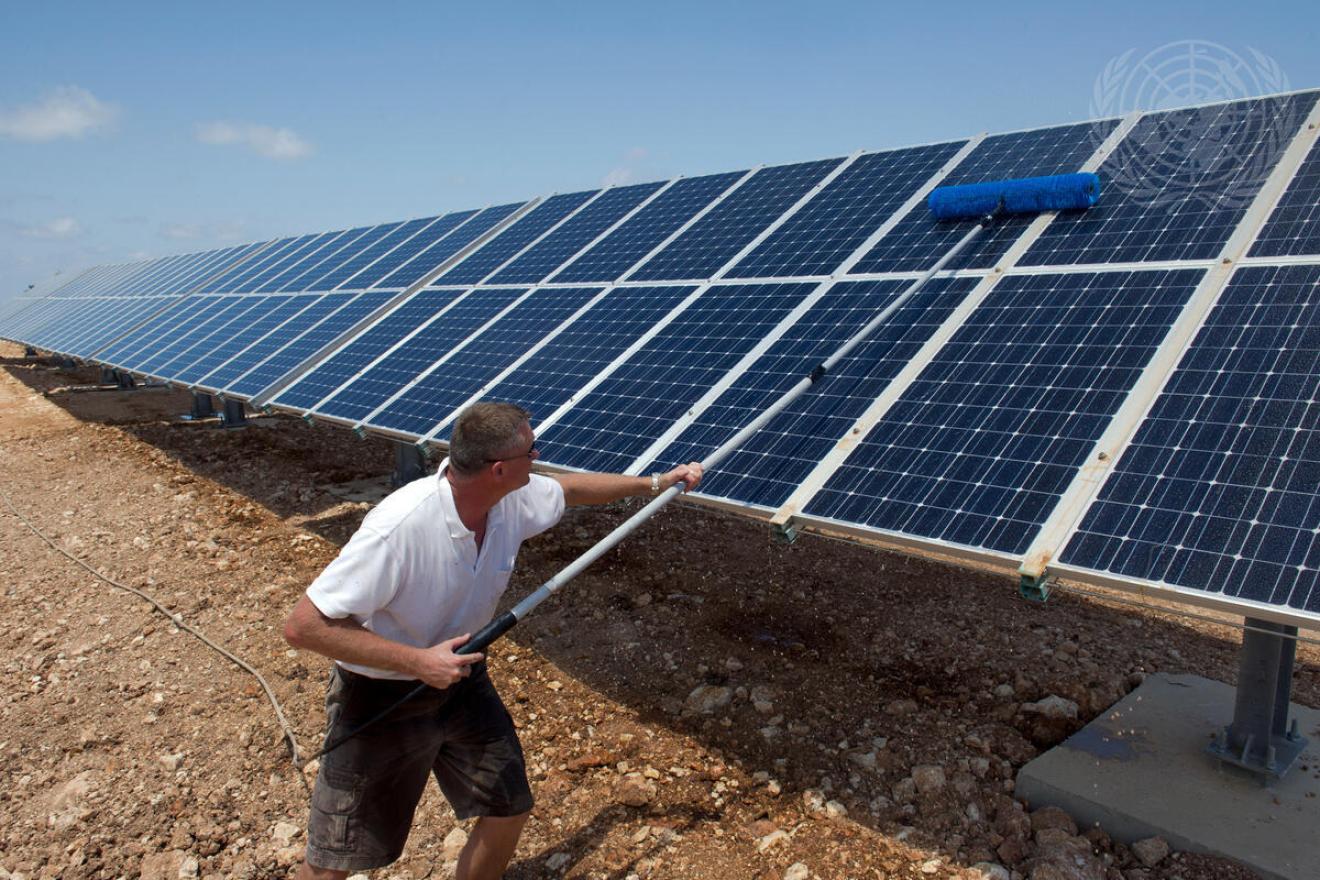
515	465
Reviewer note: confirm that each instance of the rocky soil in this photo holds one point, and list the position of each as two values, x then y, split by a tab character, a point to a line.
702	703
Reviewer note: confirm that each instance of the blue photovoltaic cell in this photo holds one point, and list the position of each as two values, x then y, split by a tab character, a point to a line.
376	275
255	324
577	232
92	338
1294	227
436	395
310	258
332	372
71	317
1219	489
585	348
260	282
448	246
522	232
1177	185
142	342
819	237
305	311
188	277
773	462
382	240
714	239
625	413
352	243
609	258
259	265
979	448
918	240
383	379
334	315
206	336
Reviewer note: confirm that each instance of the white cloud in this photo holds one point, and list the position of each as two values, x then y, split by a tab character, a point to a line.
59	228
194	231
273	143
626	171
67	111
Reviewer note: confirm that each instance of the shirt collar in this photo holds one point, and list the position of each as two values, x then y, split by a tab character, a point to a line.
454	524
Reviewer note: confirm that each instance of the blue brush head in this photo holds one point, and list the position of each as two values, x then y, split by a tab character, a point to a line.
1027	195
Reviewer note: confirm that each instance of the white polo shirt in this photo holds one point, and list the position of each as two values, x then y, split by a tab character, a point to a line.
412	572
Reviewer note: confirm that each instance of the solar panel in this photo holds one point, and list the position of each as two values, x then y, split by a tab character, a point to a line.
1294	227
918	240
421	406
575	356
375	245
445	248
312	257
258	266
345	363
378	382
255	323
136	345
83	338
768	467
717	237
491	255
437	231
301	314
1218	489
609	258
1177	185
977	451
577	232
203	337
831	226
352	243
330	318
614	422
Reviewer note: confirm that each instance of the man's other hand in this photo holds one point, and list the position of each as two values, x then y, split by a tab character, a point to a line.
440	667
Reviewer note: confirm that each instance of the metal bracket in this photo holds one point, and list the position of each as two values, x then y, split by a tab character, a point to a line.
202	408
1034	588
409	464
235	414
785	532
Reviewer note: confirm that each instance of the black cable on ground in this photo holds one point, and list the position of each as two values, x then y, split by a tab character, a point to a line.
177	620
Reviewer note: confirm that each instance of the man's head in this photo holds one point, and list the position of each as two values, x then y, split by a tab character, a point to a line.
491	435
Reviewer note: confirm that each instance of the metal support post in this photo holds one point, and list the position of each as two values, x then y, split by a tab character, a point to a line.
124	380
203	407
235	414
29	351
1260	737
108	376
68	364
409	464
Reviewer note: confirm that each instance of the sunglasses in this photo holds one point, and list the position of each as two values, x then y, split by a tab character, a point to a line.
531	452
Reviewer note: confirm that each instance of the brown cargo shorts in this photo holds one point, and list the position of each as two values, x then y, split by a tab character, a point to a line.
368	788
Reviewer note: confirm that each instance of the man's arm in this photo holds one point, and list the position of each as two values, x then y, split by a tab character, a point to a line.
604	488
347	640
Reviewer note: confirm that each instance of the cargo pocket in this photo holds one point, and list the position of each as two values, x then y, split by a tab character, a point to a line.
336	796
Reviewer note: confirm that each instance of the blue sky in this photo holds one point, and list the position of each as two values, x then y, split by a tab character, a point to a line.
140	129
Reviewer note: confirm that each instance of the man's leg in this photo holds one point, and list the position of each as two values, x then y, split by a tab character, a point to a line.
311	872
489	848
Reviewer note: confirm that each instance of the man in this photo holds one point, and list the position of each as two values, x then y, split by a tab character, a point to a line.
423	572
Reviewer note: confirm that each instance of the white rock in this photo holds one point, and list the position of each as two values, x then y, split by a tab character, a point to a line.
1053	707
172	762
707	699
865	760
557	861
284	833
835	810
813	800
455	840
774	838
1151	851
990	871
189	868
797	871
931	867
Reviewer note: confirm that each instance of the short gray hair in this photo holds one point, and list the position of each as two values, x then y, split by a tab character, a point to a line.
482	432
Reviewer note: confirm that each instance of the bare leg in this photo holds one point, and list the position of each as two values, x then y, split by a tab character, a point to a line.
489	847
311	872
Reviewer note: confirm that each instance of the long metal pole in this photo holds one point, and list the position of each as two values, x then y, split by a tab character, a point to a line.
509	619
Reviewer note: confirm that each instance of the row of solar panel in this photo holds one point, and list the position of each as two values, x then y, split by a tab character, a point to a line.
975	451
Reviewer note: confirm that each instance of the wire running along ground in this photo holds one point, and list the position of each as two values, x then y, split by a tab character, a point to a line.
177	620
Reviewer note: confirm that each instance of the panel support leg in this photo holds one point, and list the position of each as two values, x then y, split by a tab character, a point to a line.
124	380
109	376
409	464
29	351
235	414
203	407
1260	737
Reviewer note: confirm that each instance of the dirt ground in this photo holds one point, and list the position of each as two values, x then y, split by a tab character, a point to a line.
703	703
